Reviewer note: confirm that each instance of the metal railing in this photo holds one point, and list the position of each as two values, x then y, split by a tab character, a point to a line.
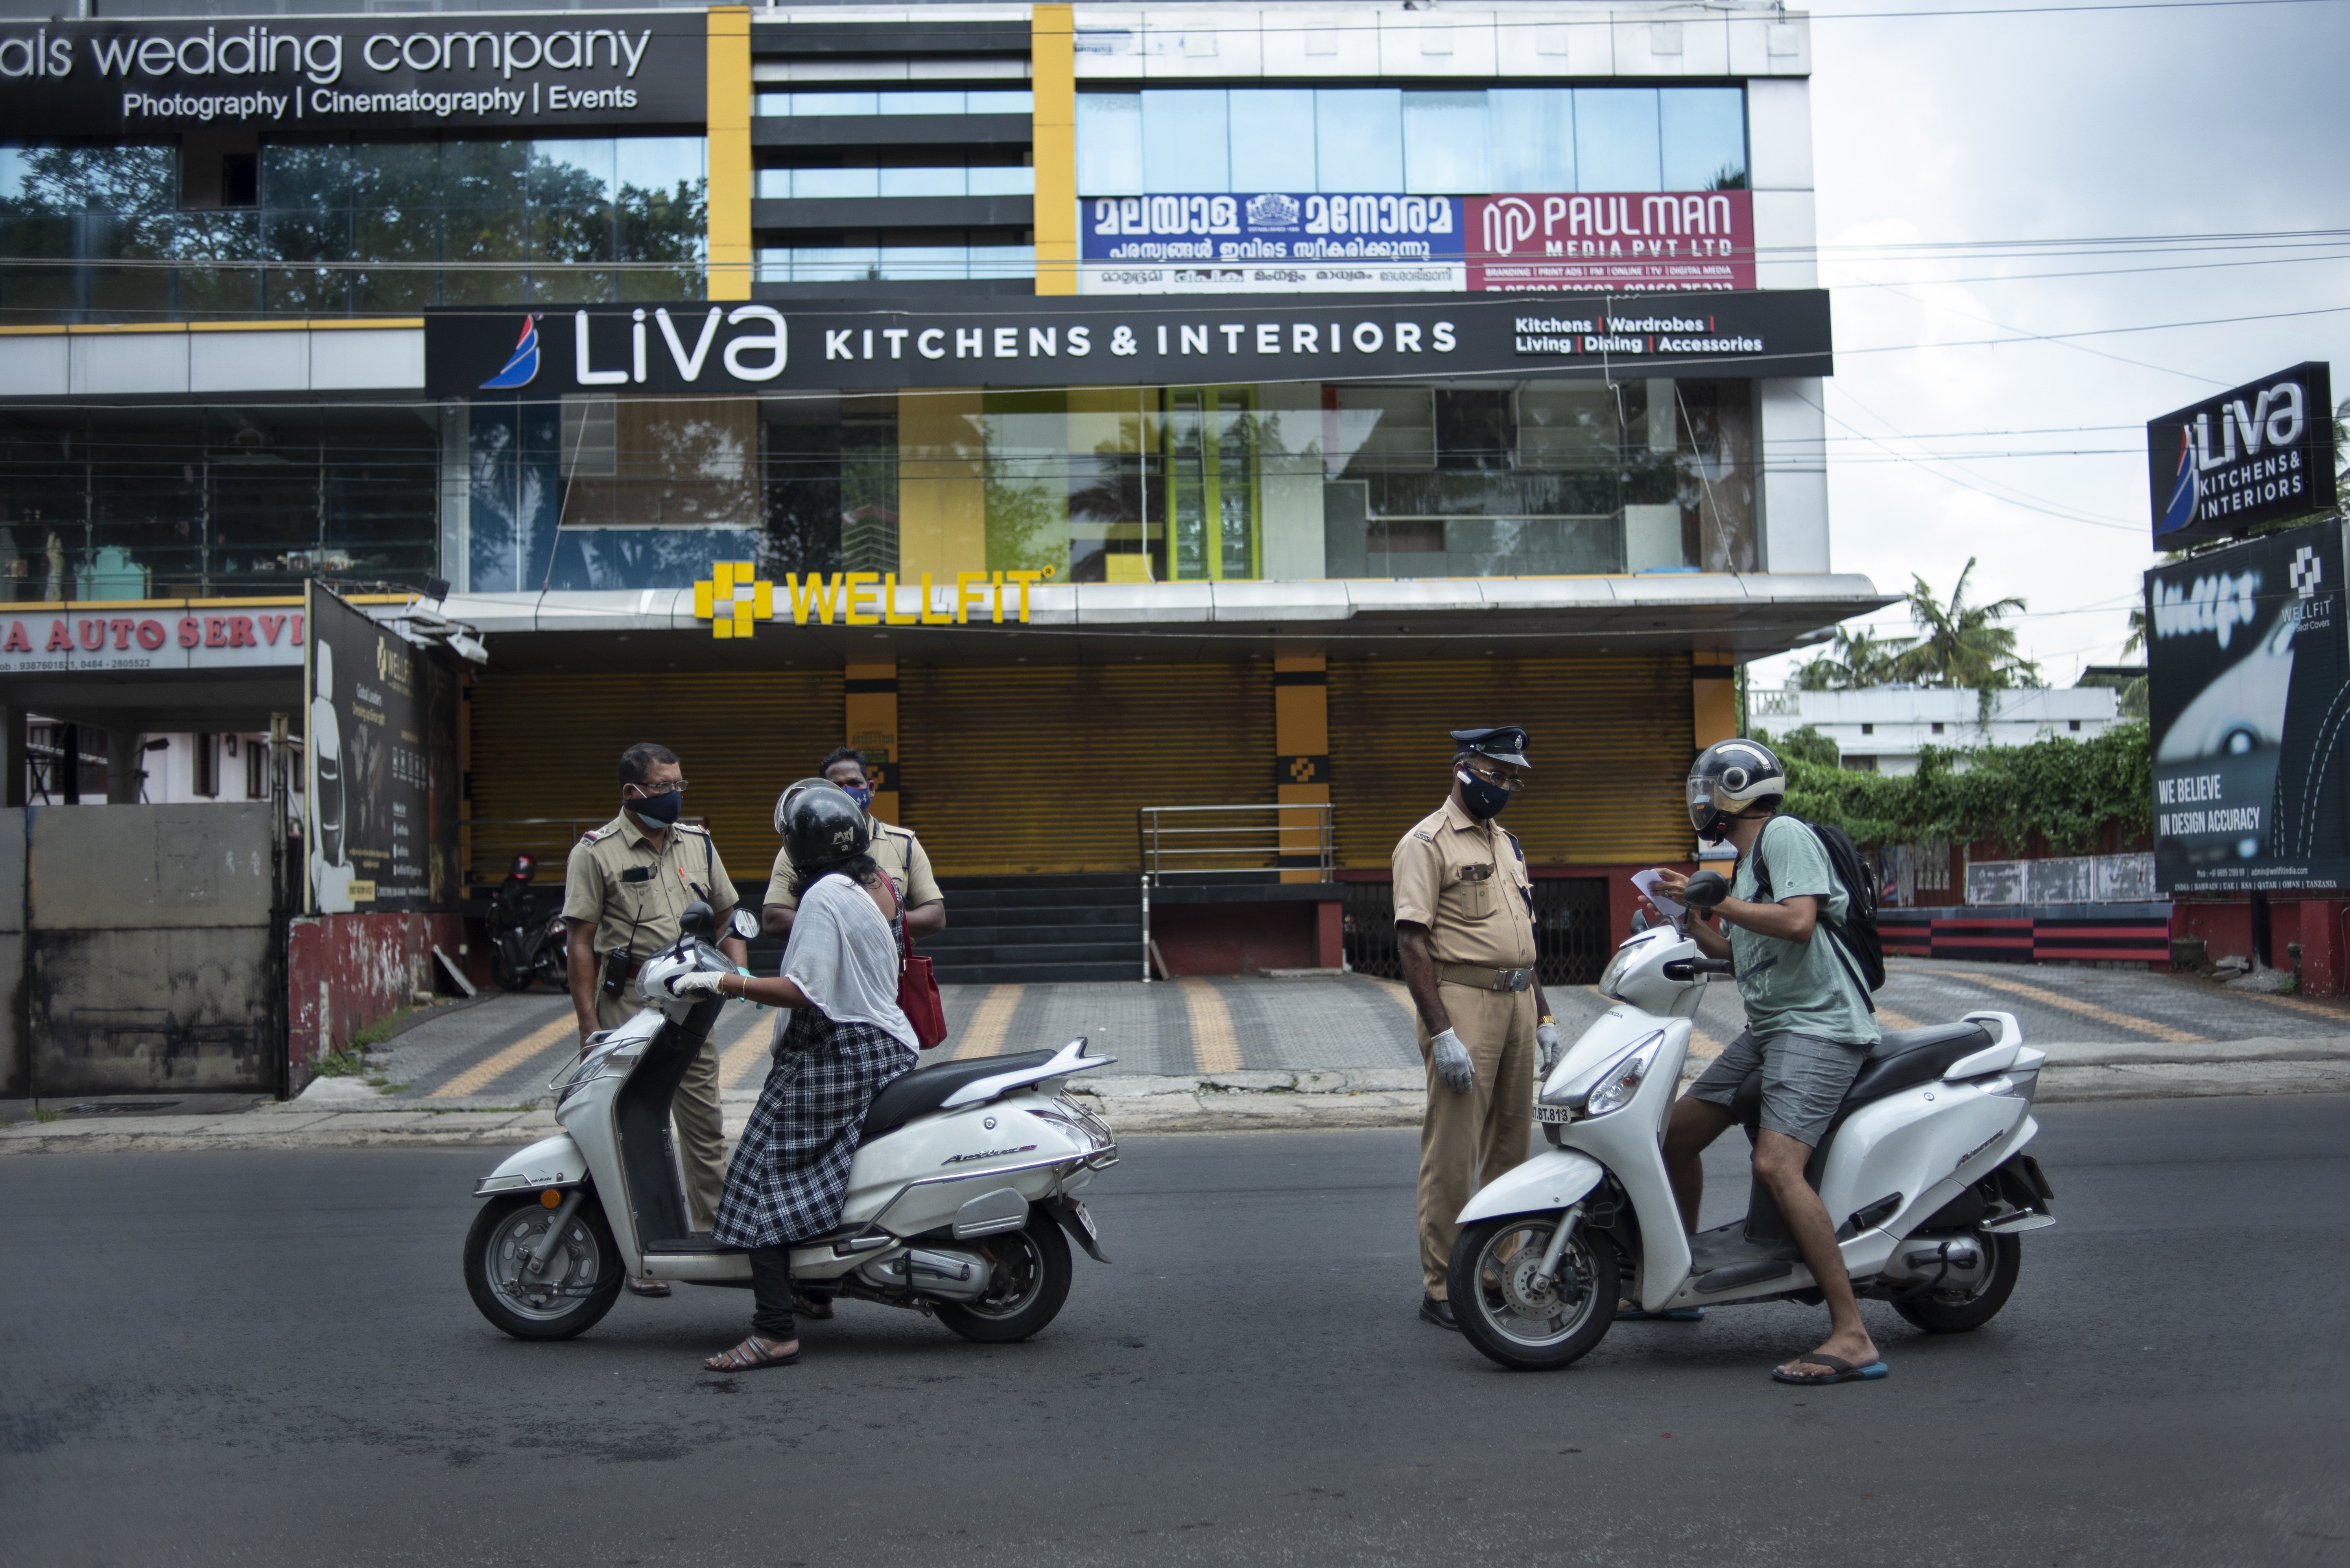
1237	842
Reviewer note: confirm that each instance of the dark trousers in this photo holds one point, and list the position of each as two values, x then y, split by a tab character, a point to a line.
771	1292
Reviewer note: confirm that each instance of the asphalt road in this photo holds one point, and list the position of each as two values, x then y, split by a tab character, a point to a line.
266	1358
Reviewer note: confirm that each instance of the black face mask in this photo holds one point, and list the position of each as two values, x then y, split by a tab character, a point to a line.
660	810
1483	801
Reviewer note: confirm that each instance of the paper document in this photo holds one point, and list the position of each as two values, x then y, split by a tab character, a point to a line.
1646	882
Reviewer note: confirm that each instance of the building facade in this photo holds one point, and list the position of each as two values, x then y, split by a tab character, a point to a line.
1882	729
1083	410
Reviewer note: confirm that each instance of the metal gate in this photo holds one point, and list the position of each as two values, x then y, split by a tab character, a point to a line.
1572	940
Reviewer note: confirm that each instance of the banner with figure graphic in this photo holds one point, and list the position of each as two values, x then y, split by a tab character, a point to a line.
2247	685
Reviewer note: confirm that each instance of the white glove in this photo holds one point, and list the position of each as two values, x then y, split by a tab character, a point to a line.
699	983
1453	1067
1546	1041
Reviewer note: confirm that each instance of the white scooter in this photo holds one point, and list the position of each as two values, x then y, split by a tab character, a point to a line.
1923	1170
957	1201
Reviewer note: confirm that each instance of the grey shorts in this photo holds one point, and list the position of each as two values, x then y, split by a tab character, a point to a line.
1804	1080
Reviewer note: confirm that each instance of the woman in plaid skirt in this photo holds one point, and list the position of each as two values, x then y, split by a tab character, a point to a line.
842	1038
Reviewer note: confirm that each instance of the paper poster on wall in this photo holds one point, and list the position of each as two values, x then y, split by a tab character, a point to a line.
1271	242
2247	669
380	750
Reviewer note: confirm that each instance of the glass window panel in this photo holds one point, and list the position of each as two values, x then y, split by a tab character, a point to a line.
1186	141
1005	180
832	103
1703	130
301	174
922	261
1444	143
921	103
571	233
1359	139
1000	102
818	183
472	173
1382	429
772	185
660	162
1272	139
396	176
1004	260
775	103
835	263
1615	139
774	264
570	173
1109	144
1567	426
923	181
1531	132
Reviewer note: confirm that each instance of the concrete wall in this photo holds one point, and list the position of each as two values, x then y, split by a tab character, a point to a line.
149	962
15	1056
343	973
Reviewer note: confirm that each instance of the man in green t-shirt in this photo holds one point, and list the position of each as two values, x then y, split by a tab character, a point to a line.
1809	1024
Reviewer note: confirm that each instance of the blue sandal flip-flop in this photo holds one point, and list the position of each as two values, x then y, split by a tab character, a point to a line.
1840	1370
1670	1314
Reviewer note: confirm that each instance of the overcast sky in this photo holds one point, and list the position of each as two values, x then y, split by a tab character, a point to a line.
2139	122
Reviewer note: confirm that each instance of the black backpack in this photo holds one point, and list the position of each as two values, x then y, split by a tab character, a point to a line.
1858	943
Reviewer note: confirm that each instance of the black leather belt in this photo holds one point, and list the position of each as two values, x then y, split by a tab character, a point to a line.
1481	978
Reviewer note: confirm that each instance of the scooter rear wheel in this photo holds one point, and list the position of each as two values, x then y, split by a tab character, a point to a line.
578	1286
1510	1322
1936	1315
1032	1276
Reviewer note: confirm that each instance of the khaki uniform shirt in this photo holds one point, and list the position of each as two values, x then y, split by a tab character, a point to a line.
1466	881
895	849
637	897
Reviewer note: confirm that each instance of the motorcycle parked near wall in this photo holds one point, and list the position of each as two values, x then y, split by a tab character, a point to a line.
958	1202
1923	1170
523	946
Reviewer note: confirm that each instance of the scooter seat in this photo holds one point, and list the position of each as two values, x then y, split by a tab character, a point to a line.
923	1090
1903	1059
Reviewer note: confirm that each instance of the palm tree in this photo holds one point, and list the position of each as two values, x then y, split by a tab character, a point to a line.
1856	659
1962	645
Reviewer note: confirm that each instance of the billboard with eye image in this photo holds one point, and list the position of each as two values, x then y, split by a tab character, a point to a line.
2248	685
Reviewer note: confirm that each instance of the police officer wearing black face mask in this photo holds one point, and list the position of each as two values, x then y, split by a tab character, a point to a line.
1465	931
625	891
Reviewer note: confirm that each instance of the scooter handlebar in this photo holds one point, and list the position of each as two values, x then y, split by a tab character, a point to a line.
1690	969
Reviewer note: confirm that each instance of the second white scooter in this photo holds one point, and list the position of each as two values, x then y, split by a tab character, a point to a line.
1923	1170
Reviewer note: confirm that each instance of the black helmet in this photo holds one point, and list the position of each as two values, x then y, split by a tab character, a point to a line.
1728	777
822	826
784	801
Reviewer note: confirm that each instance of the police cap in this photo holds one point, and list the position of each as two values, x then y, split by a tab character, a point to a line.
1506	743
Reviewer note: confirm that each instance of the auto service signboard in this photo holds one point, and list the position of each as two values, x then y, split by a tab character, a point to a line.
2248	683
2263	452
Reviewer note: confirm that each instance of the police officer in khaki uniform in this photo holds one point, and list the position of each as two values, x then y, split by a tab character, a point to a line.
624	892
1465	931
895	849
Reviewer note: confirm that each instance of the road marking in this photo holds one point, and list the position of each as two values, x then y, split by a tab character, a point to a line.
991	1021
1889	1019
1702	1045
746	1051
1214	1047
2085	1009
2314	1009
498	1064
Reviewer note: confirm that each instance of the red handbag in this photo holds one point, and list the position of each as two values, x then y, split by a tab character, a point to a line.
918	992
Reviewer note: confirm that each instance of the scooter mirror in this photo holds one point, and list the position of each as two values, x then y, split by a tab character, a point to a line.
743	923
697	922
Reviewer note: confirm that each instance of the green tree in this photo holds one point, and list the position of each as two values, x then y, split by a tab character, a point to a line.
1854	660
1962	645
1806	745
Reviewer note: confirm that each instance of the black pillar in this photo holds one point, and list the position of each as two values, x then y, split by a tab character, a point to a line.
2260	901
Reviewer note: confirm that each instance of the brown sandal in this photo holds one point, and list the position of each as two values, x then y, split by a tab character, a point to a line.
750	1356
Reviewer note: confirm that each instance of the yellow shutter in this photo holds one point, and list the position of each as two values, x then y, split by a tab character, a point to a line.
1018	769
549	745
1609	741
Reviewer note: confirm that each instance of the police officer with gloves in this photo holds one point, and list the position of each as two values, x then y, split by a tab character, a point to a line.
625	890
1465	931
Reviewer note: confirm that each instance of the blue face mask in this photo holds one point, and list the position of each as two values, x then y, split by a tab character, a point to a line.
861	794
1483	801
660	810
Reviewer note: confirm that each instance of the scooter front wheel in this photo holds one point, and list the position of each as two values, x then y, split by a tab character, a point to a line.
574	1288
1523	1326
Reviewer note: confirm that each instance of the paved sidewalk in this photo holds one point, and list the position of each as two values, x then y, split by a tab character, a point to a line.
1194	1054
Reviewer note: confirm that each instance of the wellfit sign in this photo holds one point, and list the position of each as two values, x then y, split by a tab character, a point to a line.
101	78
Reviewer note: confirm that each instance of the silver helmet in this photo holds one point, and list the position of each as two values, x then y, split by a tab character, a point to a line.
1728	777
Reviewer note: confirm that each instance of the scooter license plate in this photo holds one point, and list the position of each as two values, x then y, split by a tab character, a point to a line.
1084	1220
1553	1114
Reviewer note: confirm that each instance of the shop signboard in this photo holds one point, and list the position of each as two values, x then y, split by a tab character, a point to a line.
882	344
147	637
593	72
1313	243
380	750
2262	453
2247	669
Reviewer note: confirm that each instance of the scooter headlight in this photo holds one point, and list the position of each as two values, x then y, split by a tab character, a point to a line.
1611	1086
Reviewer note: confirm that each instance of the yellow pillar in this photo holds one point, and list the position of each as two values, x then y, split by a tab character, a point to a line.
727	120
1301	735
1713	693
870	693
1052	56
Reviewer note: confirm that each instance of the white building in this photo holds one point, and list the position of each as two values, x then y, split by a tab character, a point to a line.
1883	727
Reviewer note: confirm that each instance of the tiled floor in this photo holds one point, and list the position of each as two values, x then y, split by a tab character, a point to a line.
502	1050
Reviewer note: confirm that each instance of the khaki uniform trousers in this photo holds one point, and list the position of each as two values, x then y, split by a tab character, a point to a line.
700	1125
1467	1140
